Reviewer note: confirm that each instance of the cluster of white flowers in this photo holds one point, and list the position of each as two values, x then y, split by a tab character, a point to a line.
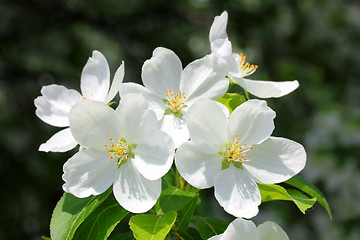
133	146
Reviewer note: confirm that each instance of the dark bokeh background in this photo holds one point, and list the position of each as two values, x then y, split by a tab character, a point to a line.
317	42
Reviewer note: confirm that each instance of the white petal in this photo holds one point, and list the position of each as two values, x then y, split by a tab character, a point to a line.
162	72
134	192
176	128
196	167
136	122
61	141
207	126
224	109
155	103
271	231
95	77
218	28
241	229
252	121
89	173
154	158
222	47
267	89
92	123
237	192
130	87
275	160
115	85
205	78
216	237
55	104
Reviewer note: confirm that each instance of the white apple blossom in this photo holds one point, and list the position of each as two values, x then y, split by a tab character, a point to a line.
239	68
123	148
241	229
54	105
234	153
170	89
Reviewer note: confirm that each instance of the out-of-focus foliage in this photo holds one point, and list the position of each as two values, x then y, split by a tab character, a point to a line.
317	42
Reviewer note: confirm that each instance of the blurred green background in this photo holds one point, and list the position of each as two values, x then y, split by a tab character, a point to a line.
317	42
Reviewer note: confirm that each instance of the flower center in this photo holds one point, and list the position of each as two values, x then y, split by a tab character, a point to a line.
120	150
235	154
175	103
246	68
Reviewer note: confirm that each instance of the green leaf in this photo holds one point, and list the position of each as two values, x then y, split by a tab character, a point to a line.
232	100
173	199
270	192
102	221
152	227
45	238
209	227
168	180
70	212
185	215
190	234
310	189
123	236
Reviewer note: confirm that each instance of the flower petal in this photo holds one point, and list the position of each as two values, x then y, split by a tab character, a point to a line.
267	89
95	77
115	85
155	103
237	192
271	231
55	104
176	128
136	122
154	158
89	172
61	141
134	192
92	123
196	167
252	121
218	28
222	47
205	78
216	237
207	126
275	160
241	229
162	72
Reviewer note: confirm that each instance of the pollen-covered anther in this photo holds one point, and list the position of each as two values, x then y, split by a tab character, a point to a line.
119	149
237	153
246	68
175	101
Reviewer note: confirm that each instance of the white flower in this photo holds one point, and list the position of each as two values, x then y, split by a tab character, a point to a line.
54	105
241	229
170	89
233	154
123	148
239	68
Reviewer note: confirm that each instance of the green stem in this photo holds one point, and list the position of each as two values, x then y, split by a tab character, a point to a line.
247	95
